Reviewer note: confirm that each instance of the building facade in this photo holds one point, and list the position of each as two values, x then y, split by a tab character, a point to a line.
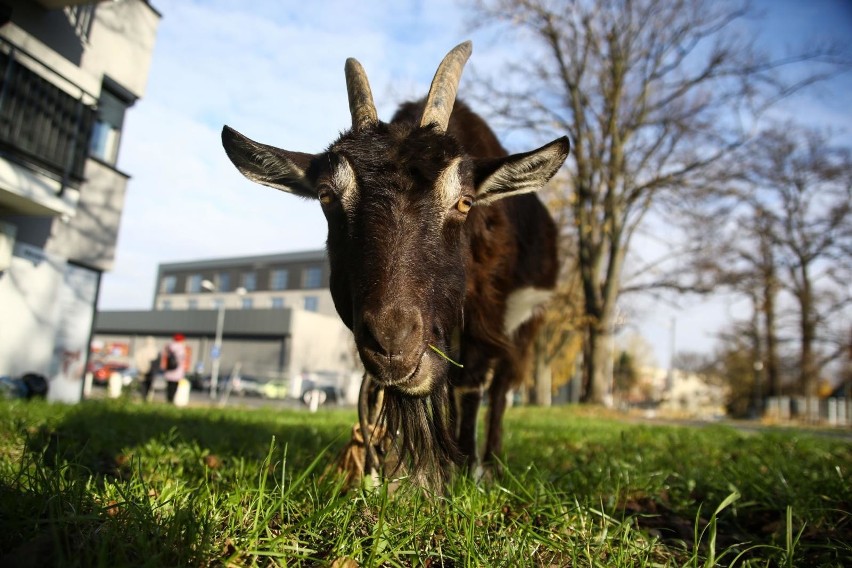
297	280
274	312
69	72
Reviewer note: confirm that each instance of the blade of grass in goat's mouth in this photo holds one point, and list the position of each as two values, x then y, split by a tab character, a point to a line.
445	356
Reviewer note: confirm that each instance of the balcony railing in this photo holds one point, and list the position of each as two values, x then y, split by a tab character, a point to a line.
41	124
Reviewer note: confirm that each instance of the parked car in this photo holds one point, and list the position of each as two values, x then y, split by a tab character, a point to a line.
202	382
328	393
198	382
103	370
246	385
274	389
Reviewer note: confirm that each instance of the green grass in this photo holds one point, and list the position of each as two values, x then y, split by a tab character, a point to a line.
124	484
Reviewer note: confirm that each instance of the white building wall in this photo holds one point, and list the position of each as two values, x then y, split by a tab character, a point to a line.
47	318
320	343
89	236
47	299
119	45
122	39
684	392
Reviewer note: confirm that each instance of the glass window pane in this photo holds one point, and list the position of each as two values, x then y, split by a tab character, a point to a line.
278	279
106	132
193	284
313	277
250	281
223	282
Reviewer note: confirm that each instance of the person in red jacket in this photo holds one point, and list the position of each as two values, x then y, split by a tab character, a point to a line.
173	364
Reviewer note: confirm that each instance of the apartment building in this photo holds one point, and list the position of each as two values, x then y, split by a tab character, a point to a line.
296	280
69	71
274	314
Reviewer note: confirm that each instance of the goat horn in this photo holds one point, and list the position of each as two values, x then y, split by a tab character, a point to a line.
360	97
442	93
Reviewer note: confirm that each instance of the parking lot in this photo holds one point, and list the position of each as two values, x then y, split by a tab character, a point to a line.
245	393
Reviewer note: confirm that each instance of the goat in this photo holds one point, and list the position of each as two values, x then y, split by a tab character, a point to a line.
436	245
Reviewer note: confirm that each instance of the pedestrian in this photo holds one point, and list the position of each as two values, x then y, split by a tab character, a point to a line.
173	364
147	360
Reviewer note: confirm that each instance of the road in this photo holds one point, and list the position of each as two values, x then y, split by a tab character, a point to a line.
200	398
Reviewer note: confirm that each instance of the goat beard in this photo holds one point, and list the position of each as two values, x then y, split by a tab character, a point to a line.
421	435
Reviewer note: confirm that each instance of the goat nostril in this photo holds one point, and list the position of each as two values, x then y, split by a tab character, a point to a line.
370	339
392	332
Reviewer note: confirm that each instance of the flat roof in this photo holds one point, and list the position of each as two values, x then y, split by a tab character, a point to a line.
300	256
195	323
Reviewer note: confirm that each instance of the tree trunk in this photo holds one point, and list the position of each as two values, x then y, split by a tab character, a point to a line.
807	327
598	365
588	370
603	369
543	382
542	373
757	355
773	375
769	291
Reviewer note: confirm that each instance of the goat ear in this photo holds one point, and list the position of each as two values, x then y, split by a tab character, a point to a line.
269	165
518	173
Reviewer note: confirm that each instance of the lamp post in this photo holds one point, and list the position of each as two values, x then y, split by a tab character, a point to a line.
217	344
670	374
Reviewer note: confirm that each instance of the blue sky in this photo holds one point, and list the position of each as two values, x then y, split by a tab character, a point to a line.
274	71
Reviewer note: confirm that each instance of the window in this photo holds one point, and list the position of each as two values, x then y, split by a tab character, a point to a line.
247	303
277	303
250	281
192	305
311	303
193	284
223	282
278	279
218	303
106	132
168	285
166	305
313	277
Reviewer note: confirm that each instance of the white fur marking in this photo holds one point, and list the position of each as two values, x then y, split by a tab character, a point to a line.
521	305
448	184
522	176
343	179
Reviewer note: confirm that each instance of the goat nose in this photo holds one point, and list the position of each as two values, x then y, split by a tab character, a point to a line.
395	331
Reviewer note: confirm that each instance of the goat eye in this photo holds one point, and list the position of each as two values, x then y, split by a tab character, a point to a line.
464	203
326	195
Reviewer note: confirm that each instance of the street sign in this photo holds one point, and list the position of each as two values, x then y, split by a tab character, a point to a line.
215	352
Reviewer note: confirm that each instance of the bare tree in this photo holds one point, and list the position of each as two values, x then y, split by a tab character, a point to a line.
557	346
655	94
804	184
785	243
741	255
767	284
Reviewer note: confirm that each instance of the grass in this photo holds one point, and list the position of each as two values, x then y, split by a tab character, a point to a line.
119	483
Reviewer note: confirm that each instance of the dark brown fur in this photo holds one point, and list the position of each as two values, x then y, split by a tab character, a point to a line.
410	272
512	245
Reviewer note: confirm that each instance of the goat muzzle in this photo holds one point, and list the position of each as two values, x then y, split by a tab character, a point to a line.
391	342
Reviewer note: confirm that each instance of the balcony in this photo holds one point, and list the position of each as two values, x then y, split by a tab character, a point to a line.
41	125
57	4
